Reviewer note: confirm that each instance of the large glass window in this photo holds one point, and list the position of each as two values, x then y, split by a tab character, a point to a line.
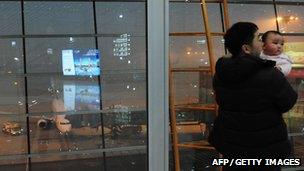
262	15
58	17
74	86
10	18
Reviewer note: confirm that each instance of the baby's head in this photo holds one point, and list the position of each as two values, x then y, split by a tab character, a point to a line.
273	42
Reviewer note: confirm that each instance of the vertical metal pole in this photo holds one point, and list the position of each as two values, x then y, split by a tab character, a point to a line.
158	67
173	123
28	164
226	15
276	14
100	89
208	35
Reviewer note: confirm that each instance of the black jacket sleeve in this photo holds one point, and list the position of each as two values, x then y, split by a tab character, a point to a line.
284	95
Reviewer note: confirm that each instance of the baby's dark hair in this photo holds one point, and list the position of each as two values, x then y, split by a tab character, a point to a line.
267	33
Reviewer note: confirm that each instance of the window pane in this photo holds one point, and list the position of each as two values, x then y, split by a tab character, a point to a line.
131	160
290	18
124	78
294	47
12	100
11	58
13	136
124	127
190	51
58	17
44	55
262	15
62	94
65	133
77	162
19	163
187	17
10	18
121	17
116	55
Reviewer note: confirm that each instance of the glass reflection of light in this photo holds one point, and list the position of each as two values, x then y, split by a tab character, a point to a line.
49	51
13	43
71	39
287	19
201	42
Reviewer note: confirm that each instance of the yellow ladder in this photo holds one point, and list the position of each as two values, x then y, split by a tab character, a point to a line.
202	71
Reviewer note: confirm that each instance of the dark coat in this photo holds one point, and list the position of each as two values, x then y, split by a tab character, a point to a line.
252	96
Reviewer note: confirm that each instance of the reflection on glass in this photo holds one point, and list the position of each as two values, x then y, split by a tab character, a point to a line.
262	15
58	17
131	59
59	133
124	126
121	17
76	94
290	18
44	55
187	17
11	58
193	88
12	100
10	18
218	47
190	51
13	135
80	62
81	97
294	48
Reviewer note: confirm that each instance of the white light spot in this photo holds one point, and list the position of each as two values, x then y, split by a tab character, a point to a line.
49	51
71	39
13	43
120	16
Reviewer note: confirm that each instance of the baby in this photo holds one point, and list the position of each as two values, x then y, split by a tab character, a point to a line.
273	50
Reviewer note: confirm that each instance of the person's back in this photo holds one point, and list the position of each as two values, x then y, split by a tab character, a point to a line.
252	96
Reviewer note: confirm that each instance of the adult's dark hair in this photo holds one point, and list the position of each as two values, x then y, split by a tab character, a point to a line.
239	34
267	33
